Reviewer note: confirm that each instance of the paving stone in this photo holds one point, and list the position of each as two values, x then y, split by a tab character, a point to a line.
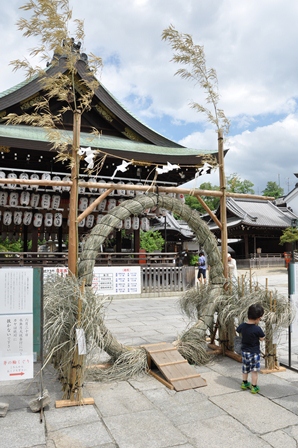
146	429
118	398
257	413
87	435
58	418
22	429
278	439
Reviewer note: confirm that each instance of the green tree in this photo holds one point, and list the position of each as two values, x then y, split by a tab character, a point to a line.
272	189
211	202
151	240
236	185
289	235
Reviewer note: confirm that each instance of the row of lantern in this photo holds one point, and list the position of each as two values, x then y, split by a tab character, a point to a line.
46	201
15	199
55	219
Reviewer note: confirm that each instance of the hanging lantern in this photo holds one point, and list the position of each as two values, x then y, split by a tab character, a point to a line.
3	197
130	193
58	219
121	192
57	188
7	218
14	199
2	175
25	198
55	202
138	192
17	218
111	204
27	219
101	190
81	188
90	221
102	206
12	176
48	220
99	218
120	225
24	176
145	225
34	200
37	219
65	187
92	189
83	203
34	176
91	200
46	201
135	222
127	223
46	176
180	197
82	223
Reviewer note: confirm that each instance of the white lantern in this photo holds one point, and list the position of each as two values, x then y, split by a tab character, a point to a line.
65	187
111	204
135	222
17	218
14	199
83	203
27	219
121	192
91	200
12	176
82	188
82	223
37	219
130	193
48	220
34	200
7	218
99	218
180	197
102	206
138	192
145	225
25	198
90	221
55	202
34	176
92	180
57	188
24	176
120	225
101	190
127	223
46	176
58	219
2	175
3	197
46	201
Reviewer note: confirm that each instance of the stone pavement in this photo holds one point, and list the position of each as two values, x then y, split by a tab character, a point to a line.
143	413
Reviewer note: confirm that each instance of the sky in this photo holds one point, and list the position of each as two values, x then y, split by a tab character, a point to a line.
250	43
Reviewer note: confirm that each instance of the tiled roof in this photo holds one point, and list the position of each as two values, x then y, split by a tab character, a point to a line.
258	213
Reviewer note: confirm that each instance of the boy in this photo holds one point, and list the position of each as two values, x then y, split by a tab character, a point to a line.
252	334
202	268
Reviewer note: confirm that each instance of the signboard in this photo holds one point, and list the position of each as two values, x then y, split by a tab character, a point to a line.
117	280
16	324
110	280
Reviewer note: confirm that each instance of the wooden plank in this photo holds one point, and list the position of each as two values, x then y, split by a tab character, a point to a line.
162	350
197	375
173	362
161	379
68	403
190	384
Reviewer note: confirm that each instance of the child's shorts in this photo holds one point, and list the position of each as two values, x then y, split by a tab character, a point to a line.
250	362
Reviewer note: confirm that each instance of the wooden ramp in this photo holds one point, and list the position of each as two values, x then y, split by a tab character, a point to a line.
168	366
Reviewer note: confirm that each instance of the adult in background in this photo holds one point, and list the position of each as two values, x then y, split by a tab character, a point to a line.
202	268
232	265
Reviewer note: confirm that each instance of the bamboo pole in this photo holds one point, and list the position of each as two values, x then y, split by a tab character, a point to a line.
223	205
73	200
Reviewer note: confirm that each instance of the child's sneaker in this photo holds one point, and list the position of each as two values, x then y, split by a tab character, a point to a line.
255	389
246	385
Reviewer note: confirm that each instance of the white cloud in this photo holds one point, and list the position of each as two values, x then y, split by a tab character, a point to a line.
251	44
